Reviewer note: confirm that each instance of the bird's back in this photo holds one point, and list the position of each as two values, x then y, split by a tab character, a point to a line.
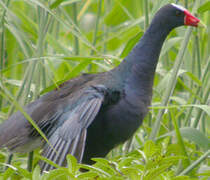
17	131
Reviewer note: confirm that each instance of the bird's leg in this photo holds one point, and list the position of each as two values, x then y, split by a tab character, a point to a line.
9	160
30	161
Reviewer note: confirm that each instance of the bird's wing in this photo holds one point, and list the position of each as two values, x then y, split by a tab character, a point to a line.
70	137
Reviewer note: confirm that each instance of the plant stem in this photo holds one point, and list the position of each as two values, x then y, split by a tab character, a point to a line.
9	160
205	99
181	144
146	22
172	82
203	78
96	25
195	163
38	66
76	40
186	4
198	54
30	161
2	46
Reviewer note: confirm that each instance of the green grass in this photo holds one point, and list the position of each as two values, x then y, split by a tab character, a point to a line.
43	43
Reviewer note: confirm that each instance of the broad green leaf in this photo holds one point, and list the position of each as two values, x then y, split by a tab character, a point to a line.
116	16
205	108
205	7
23	172
192	134
131	43
95	169
171	159
56	3
36	173
155	172
125	162
130	171
72	163
105	165
61	173
101	160
150	148
88	175
180	178
8	173
77	69
206	173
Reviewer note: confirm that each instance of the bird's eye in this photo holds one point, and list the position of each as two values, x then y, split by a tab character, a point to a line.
178	13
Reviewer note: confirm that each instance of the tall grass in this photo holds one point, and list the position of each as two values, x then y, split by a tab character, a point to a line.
43	43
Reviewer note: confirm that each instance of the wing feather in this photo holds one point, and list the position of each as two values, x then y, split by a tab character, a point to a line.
81	146
70	137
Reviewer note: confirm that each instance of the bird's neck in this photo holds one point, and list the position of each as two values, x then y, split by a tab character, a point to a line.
139	66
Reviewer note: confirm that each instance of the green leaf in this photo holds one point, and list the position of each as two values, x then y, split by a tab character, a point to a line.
77	69
95	169
47	161
56	3
205	108
206	173
116	16
192	134
36	173
61	173
131	43
88	175
181	178
105	165
171	160
194	78
9	172
150	148
154	173
204	7
72	163
23	172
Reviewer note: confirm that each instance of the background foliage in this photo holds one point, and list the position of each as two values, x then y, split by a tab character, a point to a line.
43	43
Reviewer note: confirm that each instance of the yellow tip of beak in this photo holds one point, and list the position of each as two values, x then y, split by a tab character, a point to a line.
201	24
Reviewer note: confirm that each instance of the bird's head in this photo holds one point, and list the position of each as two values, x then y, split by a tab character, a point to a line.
174	15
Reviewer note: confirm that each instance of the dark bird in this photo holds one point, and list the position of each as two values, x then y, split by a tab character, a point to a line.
91	114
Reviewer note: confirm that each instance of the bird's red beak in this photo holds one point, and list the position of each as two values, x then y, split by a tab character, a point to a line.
190	20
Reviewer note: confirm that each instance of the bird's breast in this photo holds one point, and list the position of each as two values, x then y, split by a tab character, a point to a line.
119	122
114	124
